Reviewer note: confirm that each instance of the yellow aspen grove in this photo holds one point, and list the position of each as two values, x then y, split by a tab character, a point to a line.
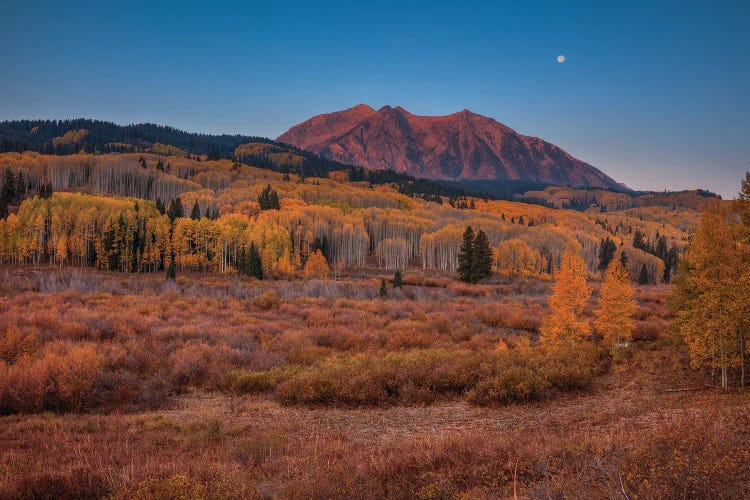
617	305
317	266
709	293
563	325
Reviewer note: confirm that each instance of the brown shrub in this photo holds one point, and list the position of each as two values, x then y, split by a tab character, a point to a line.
64	378
267	301
15	342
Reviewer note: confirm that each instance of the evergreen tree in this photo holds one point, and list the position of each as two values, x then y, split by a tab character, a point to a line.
398	281
160	206
643	276
20	185
607	249
383	290
465	255
255	265
624	260
481	258
639	241
7	193
269	199
195	213
175	209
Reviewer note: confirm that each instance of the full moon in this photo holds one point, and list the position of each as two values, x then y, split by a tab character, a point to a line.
561	59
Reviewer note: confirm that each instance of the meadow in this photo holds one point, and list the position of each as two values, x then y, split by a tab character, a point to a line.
210	386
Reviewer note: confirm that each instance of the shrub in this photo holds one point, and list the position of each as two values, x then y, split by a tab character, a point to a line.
267	301
63	379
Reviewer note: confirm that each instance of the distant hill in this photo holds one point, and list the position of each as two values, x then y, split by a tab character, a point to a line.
70	136
460	146
64	137
605	201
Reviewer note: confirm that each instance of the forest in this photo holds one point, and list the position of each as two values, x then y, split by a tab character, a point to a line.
109	212
291	335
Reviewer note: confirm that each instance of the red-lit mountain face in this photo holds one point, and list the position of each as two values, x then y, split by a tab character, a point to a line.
463	145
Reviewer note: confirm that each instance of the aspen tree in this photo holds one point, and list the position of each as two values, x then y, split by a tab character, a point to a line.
563	325
617	305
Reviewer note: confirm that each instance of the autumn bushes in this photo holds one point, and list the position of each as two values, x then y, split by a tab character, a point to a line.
422	376
62	378
298	342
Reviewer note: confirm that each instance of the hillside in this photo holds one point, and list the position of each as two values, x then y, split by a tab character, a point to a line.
604	201
462	145
353	222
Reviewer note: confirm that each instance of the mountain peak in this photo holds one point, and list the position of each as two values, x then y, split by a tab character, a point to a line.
462	145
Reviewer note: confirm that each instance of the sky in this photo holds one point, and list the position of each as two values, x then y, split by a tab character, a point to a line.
654	93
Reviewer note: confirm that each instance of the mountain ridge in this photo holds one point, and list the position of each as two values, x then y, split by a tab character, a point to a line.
458	146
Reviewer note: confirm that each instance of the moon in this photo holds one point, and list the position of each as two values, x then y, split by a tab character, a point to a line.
561	58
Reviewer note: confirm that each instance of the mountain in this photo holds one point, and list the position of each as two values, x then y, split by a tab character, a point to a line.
460	146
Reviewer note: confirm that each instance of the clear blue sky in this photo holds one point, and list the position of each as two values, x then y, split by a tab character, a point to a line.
656	94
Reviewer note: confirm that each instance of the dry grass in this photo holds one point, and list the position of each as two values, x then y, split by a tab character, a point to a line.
116	385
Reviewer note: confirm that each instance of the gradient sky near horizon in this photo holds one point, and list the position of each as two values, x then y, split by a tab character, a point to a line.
654	93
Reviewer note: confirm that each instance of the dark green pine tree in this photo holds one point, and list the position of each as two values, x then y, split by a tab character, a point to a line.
624	260
175	209
255	265
275	204
195	213
8	192
481	258
643	276
639	241
607	249
465	254
383	290
20	186
398	281
269	199
160	206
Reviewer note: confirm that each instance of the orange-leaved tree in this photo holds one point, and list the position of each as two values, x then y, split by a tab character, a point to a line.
614	316
317	266
711	296
563	326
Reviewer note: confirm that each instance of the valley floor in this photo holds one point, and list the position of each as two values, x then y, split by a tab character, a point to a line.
116	386
617	440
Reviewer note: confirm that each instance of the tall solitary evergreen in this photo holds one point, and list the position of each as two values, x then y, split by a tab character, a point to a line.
195	213
465	255
383	290
398	280
175	209
255	265
607	249
481	258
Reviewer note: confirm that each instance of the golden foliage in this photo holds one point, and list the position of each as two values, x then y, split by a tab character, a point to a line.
563	324
617	305
316	266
